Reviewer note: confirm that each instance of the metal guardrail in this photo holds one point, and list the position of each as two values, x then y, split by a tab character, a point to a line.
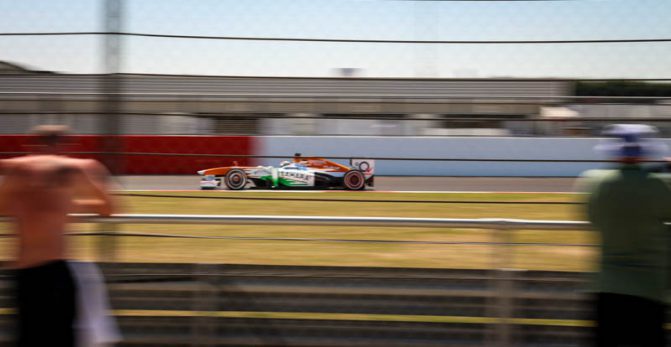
503	280
482	223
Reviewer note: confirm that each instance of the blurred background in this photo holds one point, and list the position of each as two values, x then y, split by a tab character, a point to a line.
502	89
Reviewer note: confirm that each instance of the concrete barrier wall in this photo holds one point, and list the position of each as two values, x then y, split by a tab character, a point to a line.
352	146
446	147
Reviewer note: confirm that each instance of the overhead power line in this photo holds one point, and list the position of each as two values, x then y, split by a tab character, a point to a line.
336	40
483	0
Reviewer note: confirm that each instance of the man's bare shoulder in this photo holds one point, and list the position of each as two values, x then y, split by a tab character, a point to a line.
78	162
32	162
12	162
34	159
38	162
17	164
90	166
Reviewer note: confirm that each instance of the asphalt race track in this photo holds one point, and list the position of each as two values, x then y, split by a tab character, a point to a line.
447	184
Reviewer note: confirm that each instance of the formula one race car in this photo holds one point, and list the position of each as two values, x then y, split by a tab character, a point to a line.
302	172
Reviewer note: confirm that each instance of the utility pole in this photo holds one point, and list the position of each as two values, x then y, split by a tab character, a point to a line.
110	120
111	87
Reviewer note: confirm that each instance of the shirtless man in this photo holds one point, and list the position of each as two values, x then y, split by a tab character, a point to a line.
38	192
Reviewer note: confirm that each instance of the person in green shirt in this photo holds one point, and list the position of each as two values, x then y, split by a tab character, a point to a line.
628	206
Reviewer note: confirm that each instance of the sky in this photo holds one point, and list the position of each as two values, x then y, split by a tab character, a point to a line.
349	19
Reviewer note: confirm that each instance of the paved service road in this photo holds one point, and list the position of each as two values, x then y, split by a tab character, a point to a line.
460	184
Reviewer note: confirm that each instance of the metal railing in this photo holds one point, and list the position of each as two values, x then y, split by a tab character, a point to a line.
503	281
482	223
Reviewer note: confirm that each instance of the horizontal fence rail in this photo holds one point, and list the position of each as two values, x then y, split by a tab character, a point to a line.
482	223
386	201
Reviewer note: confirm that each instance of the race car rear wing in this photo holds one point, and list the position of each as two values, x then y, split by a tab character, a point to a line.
367	166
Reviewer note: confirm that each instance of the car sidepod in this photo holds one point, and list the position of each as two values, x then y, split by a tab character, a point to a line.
295	177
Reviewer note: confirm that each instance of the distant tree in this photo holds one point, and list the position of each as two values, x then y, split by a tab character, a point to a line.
622	88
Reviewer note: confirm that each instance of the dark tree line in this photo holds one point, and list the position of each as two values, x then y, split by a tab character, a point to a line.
622	88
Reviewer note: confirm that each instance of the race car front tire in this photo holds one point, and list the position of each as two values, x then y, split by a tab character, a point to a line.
354	180
236	179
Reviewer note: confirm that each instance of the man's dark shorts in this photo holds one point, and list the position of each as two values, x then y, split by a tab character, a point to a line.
46	304
625	320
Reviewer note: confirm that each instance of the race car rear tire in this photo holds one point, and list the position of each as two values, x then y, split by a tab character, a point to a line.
236	179
354	180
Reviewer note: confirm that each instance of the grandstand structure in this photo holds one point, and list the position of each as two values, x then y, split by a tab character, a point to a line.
209	105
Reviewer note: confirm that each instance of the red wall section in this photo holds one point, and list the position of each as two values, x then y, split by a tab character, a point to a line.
25	143
145	164
153	164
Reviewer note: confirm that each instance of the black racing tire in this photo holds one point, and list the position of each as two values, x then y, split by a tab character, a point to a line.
235	179
354	180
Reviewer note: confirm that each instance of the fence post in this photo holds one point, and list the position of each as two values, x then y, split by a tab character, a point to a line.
204	324
107	241
111	86
504	284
